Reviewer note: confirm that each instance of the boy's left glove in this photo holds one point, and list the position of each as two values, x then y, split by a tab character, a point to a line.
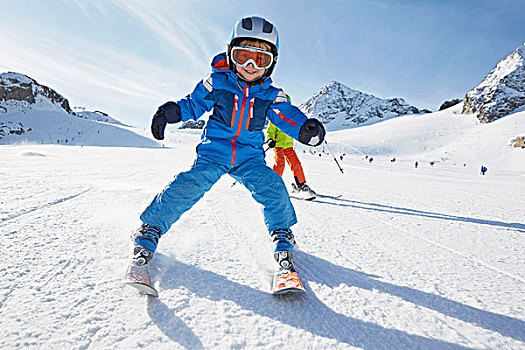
167	113
312	132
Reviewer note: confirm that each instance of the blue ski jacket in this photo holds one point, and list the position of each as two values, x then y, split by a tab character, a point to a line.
233	133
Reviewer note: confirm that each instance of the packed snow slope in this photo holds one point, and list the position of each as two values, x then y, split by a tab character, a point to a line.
61	128
426	258
448	138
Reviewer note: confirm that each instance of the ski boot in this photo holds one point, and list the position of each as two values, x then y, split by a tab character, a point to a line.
284	259
141	255
145	241
303	191
284	244
285	278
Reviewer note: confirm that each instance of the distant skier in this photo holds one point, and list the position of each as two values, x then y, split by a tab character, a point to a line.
240	93
416	164
483	170
282	145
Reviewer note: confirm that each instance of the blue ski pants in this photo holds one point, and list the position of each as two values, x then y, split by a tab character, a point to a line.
266	186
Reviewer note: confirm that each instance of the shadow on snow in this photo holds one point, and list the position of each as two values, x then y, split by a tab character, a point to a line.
405	211
309	313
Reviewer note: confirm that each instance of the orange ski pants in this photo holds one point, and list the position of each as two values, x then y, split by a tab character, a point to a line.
291	157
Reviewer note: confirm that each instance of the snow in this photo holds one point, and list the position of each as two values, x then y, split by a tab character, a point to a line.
503	69
98	116
16	79
447	137
340	107
59	127
45	99
425	258
501	91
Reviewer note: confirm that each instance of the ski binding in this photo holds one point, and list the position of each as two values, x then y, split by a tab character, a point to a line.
285	278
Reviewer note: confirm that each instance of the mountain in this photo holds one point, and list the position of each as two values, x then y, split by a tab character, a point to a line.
340	107
18	92
99	116
447	137
34	113
501	92
450	103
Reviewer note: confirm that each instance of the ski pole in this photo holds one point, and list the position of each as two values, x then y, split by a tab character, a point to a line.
264	154
336	162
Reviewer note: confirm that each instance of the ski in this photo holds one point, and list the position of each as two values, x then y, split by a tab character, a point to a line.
286	281
328	196
311	198
137	276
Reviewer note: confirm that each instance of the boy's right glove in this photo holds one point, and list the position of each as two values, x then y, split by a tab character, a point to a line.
271	143
167	113
312	132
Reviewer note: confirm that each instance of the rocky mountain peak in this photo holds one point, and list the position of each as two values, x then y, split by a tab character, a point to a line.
339	107
19	92
501	92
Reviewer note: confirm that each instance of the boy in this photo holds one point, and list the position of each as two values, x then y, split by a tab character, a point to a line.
282	145
239	92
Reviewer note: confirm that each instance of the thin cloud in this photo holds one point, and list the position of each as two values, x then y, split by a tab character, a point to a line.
173	28
87	73
84	65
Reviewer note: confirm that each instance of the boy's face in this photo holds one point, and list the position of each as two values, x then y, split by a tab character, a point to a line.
250	73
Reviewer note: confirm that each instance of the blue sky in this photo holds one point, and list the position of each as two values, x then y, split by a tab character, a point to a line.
125	57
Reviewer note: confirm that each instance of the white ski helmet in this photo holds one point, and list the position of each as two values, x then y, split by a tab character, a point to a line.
254	28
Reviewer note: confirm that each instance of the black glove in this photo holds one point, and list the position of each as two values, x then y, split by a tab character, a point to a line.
312	132
167	113
271	143
158	124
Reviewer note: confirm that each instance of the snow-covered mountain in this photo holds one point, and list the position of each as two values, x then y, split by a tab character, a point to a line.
99	116
20	93
340	107
447	138
34	113
501	92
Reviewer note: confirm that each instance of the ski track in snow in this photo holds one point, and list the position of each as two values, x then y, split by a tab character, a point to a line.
43	206
443	305
368	206
385	267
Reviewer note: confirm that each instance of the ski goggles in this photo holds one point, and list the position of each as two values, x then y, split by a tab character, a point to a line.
244	55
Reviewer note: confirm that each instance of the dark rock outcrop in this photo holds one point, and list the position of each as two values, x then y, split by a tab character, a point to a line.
18	90
450	103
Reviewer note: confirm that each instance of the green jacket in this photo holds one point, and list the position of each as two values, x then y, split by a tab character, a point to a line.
281	139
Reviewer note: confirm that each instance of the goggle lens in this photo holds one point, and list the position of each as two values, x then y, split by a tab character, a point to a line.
242	56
